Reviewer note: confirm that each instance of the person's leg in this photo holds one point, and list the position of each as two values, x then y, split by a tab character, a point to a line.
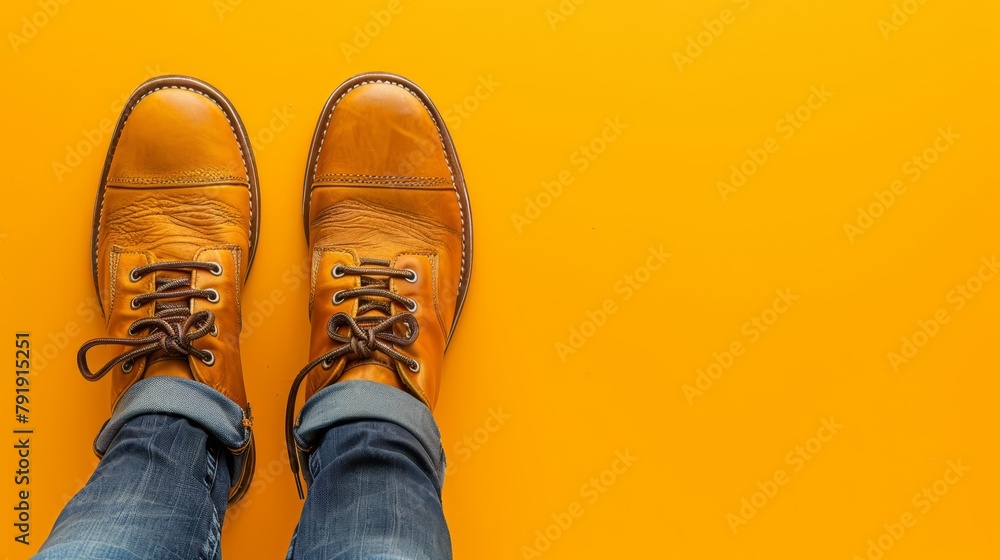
376	477
159	492
175	230
387	218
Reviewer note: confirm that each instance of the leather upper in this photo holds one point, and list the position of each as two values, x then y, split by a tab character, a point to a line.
383	187
177	188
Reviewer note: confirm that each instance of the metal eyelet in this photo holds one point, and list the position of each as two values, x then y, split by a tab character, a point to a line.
131	331
337	300
412	277
135	305
210	360
415	366
213	296
133	276
127	366
216	269
327	364
411	305
215	330
337	271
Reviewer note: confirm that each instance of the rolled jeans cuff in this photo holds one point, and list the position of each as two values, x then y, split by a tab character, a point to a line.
219	416
358	400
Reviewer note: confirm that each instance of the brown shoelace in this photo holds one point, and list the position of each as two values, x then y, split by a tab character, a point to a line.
367	333
173	327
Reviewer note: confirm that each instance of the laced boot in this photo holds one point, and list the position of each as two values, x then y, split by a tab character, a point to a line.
387	220
176	224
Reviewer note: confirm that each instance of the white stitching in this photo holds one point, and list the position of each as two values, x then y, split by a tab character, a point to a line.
246	169
451	172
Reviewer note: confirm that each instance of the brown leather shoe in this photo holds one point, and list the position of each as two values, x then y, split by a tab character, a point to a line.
176	224
387	219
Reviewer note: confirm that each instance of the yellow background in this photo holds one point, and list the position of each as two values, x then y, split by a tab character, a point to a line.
655	184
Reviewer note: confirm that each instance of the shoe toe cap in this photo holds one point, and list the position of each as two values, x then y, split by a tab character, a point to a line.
177	136
382	129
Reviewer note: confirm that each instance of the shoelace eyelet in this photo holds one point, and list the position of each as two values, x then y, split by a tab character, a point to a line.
411	305
134	305
213	297
412	278
210	360
133	276
216	269
215	330
337	271
337	300
415	368
127	366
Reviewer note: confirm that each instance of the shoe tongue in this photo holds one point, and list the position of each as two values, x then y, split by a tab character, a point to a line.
374	306
157	363
371	311
177	250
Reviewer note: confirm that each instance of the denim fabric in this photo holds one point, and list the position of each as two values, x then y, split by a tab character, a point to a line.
221	417
161	489
159	492
376	477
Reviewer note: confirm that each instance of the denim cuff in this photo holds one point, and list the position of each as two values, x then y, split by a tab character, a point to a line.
219	416
358	400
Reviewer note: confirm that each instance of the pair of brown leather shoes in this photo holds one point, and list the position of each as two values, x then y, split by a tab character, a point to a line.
177	223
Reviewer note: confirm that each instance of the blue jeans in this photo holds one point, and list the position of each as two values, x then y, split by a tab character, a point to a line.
161	489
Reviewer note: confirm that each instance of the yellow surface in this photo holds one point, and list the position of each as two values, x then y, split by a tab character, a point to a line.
632	128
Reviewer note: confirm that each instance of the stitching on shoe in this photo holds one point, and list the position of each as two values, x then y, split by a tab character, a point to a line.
451	172
398	180
152	181
232	128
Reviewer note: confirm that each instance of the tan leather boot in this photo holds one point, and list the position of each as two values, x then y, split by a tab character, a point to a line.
387	219
176	224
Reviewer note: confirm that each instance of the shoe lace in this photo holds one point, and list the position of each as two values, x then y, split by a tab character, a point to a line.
367	333
171	329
